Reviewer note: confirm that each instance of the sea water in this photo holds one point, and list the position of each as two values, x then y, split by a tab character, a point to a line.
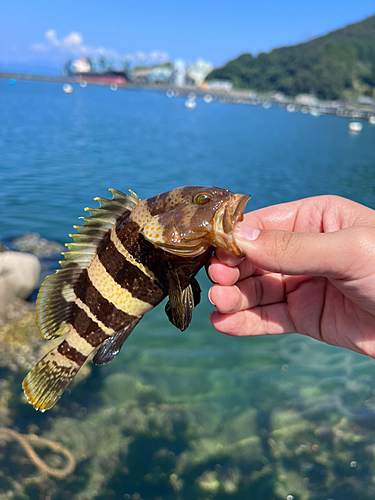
194	414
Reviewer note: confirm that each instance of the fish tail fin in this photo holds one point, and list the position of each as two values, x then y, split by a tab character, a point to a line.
46	382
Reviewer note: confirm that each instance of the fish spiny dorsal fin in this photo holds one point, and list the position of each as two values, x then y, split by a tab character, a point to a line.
56	296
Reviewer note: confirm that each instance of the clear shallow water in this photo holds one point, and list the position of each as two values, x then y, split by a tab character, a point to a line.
261	417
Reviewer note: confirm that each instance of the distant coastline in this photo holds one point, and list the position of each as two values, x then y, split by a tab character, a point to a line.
346	109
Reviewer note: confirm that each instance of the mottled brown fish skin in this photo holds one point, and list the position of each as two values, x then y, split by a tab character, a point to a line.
126	277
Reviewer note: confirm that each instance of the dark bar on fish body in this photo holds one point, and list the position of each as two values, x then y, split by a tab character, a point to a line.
103	310
86	328
129	276
71	353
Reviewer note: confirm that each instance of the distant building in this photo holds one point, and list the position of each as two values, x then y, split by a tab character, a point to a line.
306	100
179	73
198	71
142	73
154	74
220	85
366	100
161	74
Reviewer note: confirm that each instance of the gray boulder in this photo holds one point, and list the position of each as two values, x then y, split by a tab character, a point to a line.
19	276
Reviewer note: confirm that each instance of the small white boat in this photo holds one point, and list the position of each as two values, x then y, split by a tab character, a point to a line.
83	83
191	95
314	112
291	108
113	86
67	88
371	120
208	98
355	126
266	105
170	93
190	103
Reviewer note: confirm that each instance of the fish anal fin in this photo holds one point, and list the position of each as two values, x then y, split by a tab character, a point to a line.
109	349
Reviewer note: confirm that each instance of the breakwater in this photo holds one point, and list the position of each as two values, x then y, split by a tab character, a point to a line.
347	109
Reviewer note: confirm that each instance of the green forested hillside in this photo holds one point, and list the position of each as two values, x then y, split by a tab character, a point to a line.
337	65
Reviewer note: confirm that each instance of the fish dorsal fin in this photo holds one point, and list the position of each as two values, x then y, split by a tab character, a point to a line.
56	295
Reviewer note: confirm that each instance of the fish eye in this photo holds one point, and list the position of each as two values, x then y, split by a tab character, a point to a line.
202	199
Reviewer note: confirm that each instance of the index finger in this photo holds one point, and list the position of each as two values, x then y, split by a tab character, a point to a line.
282	216
319	214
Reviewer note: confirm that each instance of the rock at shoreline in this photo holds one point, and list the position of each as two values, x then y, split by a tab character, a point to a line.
3	248
35	244
19	277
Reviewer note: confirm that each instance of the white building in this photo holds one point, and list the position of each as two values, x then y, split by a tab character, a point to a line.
198	71
180	72
220	85
306	100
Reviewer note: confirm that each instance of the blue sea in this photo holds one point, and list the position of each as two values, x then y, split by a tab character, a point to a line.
193	415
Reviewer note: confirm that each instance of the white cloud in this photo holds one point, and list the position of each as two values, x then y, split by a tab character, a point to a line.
159	56
51	37
72	44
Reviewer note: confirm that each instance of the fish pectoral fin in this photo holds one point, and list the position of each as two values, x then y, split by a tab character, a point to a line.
180	311
180	306
109	349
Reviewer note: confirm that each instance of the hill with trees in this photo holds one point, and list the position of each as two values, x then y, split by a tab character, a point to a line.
338	65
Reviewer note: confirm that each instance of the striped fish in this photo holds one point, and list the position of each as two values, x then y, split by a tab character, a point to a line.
126	258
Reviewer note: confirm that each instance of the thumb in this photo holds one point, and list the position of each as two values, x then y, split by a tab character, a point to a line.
335	255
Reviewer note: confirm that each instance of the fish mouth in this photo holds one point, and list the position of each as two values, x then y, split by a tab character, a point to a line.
225	219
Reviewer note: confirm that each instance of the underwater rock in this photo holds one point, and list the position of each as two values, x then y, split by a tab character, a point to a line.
321	458
35	244
19	274
219	481
5	395
20	343
11	308
209	482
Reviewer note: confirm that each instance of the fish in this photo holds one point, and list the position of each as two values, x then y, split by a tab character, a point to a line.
127	257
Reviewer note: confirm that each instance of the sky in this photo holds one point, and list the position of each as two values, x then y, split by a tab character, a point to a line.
41	31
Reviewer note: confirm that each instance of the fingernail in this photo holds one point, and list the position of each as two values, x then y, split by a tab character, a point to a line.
208	271
209	296
246	232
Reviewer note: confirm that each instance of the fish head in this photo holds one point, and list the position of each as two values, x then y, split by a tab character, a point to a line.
187	221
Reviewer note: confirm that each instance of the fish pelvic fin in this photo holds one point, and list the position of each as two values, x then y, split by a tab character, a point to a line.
46	382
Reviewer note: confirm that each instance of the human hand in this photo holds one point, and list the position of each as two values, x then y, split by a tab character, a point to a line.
309	268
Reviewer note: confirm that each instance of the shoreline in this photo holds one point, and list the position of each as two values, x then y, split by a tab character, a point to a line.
346	109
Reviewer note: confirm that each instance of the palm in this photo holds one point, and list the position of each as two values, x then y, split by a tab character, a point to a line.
318	309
